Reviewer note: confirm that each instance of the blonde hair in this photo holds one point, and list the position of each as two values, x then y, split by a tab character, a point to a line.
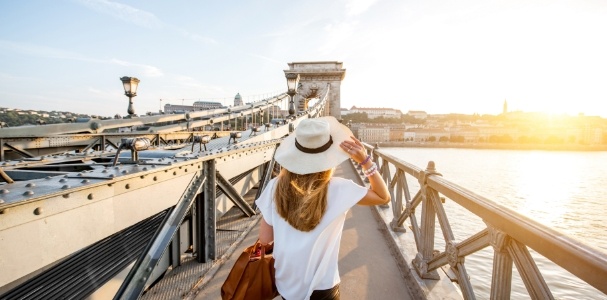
302	199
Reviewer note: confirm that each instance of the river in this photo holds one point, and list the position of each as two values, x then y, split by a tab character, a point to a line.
565	190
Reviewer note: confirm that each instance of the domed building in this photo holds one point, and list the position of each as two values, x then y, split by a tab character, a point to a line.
238	100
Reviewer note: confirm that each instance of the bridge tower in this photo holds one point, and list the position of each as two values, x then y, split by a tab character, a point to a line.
314	77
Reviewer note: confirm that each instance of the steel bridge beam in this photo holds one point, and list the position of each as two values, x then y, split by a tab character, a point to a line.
233	195
138	277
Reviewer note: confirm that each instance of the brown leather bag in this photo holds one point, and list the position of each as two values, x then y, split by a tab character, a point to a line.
252	276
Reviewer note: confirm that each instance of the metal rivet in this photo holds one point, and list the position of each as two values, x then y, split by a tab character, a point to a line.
174	173
38	211
155	178
141	176
116	168
104	171
65	187
66	196
79	174
3	211
4	191
28	193
127	186
145	168
48	177
111	176
31	184
85	181
1	201
90	197
125	171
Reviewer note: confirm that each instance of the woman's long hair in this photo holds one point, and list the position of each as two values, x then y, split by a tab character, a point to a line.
302	199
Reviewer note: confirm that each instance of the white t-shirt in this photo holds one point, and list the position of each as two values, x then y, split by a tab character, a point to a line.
307	261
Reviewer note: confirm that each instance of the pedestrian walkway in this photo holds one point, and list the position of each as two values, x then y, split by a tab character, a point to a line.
367	268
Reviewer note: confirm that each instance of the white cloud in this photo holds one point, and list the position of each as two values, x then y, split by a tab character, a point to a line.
266	58
357	7
196	37
43	51
337	35
124	12
147	70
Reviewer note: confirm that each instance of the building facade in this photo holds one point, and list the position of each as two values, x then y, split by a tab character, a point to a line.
238	100
197	106
373	112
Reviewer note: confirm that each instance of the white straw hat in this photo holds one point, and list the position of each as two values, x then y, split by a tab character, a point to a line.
314	146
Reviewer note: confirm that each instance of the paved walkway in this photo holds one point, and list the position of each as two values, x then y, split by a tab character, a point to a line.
367	268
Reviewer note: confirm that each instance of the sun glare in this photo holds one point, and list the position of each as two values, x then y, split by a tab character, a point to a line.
548	191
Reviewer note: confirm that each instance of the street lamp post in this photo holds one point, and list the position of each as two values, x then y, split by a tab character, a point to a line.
130	90
292	83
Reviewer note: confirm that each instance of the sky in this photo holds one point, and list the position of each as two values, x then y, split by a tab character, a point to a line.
439	56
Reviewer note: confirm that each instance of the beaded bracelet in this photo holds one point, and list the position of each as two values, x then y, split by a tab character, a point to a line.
365	161
371	169
371	174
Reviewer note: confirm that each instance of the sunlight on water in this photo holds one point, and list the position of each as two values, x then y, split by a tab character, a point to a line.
562	190
547	193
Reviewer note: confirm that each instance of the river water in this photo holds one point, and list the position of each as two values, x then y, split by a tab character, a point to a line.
565	190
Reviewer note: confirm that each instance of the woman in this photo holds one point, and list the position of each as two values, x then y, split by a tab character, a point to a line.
304	207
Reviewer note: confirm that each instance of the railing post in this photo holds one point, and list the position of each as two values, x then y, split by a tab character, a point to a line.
428	219
397	194
501	279
102	143
208	231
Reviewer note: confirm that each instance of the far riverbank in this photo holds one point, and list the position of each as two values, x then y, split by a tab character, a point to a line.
549	147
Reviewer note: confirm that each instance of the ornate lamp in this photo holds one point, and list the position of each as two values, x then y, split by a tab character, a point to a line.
292	85
130	90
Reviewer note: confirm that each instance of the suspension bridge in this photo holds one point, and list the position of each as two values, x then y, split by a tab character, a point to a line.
87	211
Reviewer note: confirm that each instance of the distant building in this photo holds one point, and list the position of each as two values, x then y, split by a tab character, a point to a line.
371	133
505	107
397	133
198	105
418	114
426	134
344	111
202	105
373	112
238	100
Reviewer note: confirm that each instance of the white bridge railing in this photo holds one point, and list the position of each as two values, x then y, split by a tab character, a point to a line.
509	233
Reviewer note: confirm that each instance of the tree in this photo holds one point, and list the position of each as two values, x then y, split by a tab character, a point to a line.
456	139
356	118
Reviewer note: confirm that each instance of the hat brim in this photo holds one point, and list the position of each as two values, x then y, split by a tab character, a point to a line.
298	162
